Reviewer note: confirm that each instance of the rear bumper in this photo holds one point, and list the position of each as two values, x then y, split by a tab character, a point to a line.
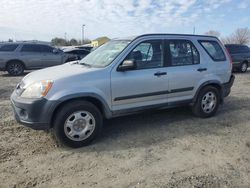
226	88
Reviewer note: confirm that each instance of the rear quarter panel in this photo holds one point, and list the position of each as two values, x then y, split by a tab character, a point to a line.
217	70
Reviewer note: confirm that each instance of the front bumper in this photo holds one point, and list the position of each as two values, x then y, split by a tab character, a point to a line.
35	114
226	88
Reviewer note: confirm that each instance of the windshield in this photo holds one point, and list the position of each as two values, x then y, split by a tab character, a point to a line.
105	54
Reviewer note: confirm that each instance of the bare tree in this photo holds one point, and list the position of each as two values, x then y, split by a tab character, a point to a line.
213	33
242	36
228	40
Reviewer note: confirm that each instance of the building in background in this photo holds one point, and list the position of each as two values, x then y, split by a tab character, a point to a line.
99	41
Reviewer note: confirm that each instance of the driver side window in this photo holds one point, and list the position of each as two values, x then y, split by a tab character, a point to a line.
147	54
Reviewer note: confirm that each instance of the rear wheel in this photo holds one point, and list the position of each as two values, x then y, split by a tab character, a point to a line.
207	102
77	124
15	68
244	67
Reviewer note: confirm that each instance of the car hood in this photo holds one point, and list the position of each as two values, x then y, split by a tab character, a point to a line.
57	72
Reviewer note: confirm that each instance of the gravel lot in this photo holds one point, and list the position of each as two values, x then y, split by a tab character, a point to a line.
168	148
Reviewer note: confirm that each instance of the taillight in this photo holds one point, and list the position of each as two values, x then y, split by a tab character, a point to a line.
230	58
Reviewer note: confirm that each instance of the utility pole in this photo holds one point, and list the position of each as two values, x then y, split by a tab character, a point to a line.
194	30
83	33
65	36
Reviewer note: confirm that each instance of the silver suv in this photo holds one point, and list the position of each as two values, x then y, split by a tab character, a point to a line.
122	77
16	57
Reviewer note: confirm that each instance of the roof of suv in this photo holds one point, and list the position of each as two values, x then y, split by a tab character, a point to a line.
164	34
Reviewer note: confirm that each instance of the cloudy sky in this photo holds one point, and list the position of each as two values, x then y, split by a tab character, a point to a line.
45	19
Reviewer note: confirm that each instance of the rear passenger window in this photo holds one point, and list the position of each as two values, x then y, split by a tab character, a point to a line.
8	48
214	50
46	49
183	53
244	49
31	48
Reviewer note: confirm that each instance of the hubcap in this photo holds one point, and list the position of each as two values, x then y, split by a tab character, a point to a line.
244	67
15	68
208	102
79	125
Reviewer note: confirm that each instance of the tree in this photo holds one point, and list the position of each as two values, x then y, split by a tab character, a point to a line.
228	40
242	36
73	42
86	41
213	33
58	42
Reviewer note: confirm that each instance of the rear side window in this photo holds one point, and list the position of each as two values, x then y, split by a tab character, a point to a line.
244	49
214	50
237	49
183	52
31	48
8	47
46	49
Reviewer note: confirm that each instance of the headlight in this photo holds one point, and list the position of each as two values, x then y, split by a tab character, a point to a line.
37	89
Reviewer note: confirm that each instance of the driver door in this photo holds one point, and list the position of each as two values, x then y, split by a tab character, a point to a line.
147	84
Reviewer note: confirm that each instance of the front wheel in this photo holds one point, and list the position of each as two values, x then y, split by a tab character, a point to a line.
207	102
77	124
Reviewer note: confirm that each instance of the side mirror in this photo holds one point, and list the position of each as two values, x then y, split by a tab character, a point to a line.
127	65
55	51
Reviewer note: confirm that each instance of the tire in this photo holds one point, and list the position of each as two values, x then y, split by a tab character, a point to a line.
15	68
243	67
207	102
77	124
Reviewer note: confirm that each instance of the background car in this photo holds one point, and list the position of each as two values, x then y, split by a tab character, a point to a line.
76	54
88	48
240	55
17	57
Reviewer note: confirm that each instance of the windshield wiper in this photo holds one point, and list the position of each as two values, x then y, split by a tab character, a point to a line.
88	65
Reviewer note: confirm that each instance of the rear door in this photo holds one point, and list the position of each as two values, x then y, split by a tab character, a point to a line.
184	70
31	55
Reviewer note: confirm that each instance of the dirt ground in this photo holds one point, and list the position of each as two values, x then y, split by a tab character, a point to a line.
168	148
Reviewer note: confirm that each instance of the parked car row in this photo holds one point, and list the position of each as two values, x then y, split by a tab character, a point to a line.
17	57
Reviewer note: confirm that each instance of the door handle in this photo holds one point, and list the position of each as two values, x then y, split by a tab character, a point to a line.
202	69
160	73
